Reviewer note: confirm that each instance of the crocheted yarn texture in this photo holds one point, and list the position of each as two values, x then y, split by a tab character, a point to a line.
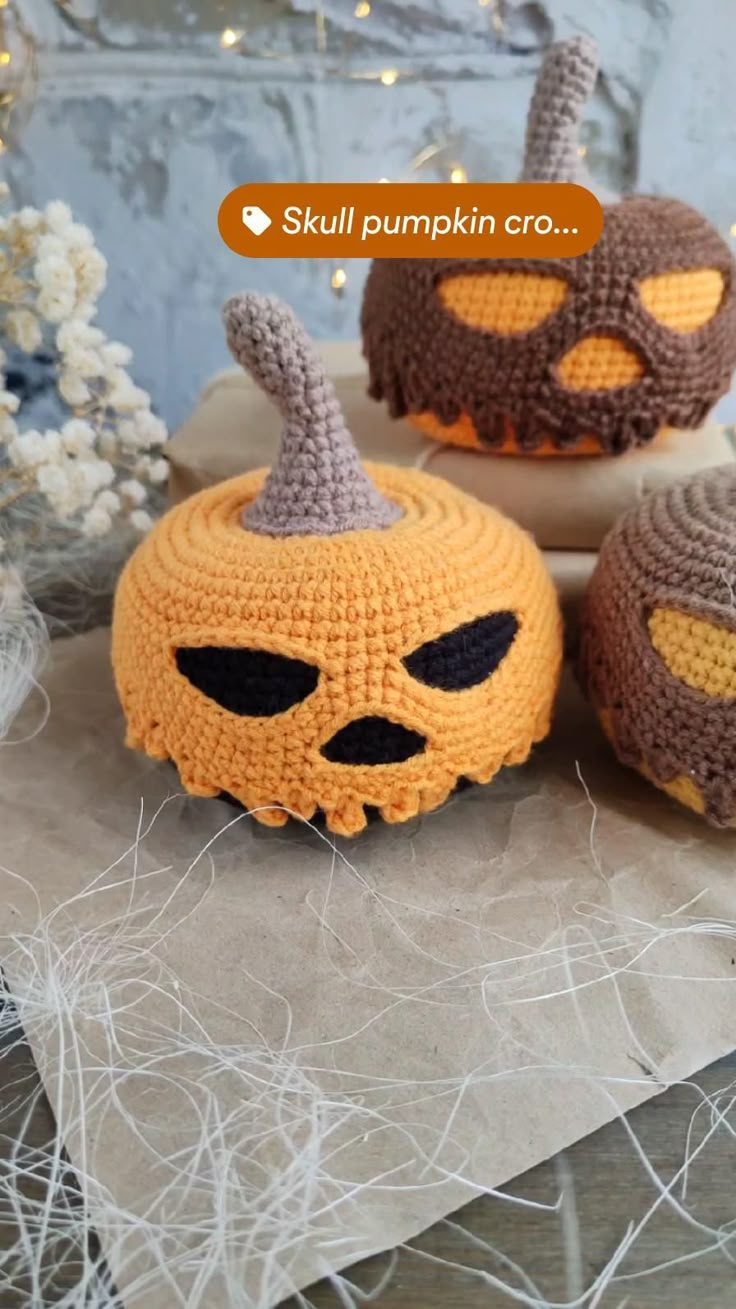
276	651
568	356
658	644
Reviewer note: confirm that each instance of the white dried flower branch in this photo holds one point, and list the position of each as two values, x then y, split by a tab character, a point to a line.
98	468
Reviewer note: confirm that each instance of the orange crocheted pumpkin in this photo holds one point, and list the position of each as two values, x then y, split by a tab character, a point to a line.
332	636
591	355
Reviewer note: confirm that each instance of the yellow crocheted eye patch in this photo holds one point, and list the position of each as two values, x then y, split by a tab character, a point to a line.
507	303
697	652
683	301
600	363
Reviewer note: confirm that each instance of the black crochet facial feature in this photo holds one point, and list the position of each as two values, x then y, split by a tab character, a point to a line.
373	740
467	655
252	683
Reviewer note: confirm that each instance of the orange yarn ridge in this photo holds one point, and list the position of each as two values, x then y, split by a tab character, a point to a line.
355	605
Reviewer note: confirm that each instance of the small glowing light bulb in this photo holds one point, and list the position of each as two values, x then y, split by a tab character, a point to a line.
458	174
484	3
362	9
230	38
384	179
733	229
389	76
338	279
4	57
582	151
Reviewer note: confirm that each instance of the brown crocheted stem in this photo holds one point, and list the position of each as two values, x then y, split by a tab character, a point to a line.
564	86
317	486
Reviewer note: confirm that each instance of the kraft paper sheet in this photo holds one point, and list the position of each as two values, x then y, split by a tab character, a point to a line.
567	504
472	991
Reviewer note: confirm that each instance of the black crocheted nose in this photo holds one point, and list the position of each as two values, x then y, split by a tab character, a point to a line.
465	656
252	683
373	740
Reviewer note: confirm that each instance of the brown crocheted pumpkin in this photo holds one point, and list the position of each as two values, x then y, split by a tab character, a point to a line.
658	641
591	355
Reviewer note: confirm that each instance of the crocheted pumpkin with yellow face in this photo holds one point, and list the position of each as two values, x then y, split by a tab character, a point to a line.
330	636
591	355
658	642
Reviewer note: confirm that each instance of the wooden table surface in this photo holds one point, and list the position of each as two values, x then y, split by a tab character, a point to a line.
605	1187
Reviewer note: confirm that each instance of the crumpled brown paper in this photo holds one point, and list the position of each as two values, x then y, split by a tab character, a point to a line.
566	503
441	1004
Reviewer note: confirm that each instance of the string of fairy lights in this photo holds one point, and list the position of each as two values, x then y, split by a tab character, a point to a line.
19	76
236	40
18	72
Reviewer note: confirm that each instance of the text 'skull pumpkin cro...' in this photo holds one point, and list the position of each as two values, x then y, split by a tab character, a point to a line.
329	636
590	355
658	641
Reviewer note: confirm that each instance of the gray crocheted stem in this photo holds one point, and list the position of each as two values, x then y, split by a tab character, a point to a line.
564	86
317	486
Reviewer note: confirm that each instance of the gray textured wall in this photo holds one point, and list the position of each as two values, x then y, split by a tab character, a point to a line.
143	123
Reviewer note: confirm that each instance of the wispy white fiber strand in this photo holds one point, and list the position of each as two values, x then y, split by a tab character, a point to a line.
253	1185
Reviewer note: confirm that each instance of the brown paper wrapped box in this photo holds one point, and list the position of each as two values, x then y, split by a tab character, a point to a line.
373	1032
566	503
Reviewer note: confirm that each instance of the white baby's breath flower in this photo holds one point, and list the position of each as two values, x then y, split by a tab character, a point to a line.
96	522
90	269
99	467
153	428
133	492
8	427
54	482
142	467
73	389
49	247
58	216
83	361
115	354
78	436
128	434
141	520
85	310
28	218
79	237
56	304
109	500
123	393
31	449
142	431
75	334
23	451
159	471
24	329
91	475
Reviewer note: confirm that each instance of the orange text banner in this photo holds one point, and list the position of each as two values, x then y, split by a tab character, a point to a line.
410	220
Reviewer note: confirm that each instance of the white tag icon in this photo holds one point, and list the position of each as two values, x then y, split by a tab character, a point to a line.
255	219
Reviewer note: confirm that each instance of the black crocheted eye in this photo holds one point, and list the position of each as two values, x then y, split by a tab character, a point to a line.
467	655
252	683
